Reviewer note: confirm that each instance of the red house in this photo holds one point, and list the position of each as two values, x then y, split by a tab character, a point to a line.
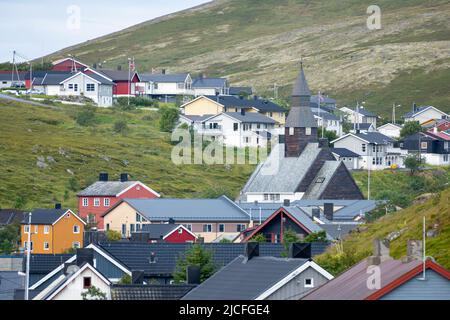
169	233
68	65
120	78
96	199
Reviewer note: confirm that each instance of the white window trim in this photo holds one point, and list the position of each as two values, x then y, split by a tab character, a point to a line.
106	202
85	202
46	229
26	229
48	244
97	200
309	285
73	229
78	244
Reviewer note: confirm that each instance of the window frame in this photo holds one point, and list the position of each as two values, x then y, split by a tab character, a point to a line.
75	226
90	87
89	282
96	202
85	202
46	229
311	285
221	227
48	246
76	244
206	227
106	202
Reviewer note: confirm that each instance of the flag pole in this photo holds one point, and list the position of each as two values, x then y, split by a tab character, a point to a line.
129	80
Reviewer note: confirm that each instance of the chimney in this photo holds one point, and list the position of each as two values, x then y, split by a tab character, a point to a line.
300	251
324	143
137	277
243	112
414	250
193	275
123	177
414	107
103	176
57	206
328	209
255	97
287	203
171	221
380	252
251	250
85	256
152	258
315	213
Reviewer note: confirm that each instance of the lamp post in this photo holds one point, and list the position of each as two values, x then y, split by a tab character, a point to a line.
27	271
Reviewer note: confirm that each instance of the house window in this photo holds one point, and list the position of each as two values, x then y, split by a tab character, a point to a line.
240	227
221	227
46	246
138	217
180	230
87	282
266	197
91	218
90	87
235	126
71	86
258	126
131	227
445	157
46	229
247	139
96	202
363	146
75	87
26	229
36	228
85	202
124	229
188	226
76	245
308	131
106	202
155	85
138	227
26	245
107	227
424	145
180	85
291	131
76	229
309	283
207	228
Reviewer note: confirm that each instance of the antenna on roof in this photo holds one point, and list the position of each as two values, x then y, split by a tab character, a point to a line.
424	258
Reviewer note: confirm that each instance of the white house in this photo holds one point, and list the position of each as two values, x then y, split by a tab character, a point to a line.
92	86
377	151
165	85
424	114
349	158
237	129
76	281
211	86
360	116
391	130
328	120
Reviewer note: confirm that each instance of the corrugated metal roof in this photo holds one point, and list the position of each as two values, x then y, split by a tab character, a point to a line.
244	280
164	78
106	188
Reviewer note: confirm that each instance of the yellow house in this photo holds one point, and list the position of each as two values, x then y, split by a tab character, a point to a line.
53	231
208	105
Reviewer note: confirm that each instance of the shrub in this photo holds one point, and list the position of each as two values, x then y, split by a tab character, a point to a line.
320	236
86	117
195	256
121	126
410	128
126	279
260	238
168	120
112	235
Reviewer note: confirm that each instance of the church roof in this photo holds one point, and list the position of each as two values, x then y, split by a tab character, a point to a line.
301	117
301	87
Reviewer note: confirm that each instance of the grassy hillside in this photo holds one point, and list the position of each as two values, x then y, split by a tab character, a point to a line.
259	43
408	225
77	154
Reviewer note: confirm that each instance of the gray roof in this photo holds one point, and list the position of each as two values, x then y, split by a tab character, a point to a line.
301	85
366	113
339	230
251	117
44	216
10	281
209	83
279	173
244	280
375	137
106	188
305	220
417	110
324	114
362	126
55	78
220	209
263	105
317	187
197	118
164	78
100	79
9	216
301	117
150	292
115	75
158	231
343	152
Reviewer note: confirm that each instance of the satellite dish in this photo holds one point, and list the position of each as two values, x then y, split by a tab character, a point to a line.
72	269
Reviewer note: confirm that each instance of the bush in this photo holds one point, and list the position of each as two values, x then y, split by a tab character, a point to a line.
86	117
168	120
122	103
320	236
112	235
195	256
121	127
410	128
126	279
260	238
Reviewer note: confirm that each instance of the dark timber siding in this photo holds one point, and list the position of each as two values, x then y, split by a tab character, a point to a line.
324	155
295	144
342	186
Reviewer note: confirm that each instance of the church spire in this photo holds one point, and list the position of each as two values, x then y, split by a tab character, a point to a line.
301	95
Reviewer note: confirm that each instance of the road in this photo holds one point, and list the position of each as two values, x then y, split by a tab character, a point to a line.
7	97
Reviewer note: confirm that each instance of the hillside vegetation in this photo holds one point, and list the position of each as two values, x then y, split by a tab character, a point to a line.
259	43
46	156
401	226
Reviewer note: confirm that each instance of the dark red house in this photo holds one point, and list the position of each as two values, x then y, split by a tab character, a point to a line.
285	218
120	78
68	65
96	199
169	233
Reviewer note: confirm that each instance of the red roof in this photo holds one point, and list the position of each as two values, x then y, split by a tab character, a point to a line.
440	134
352	284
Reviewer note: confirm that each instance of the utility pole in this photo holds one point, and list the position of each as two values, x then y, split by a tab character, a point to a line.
27	274
275	90
368	172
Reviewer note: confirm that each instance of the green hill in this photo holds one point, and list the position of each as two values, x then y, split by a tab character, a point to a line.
74	155
260	43
402	226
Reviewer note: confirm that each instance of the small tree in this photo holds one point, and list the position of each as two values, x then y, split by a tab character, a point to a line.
121	127
330	135
168	120
9	237
195	256
113	235
410	128
126	279
93	293
320	236
260	238
412	163
289	237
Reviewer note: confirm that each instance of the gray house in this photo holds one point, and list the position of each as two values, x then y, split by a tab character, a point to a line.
251	277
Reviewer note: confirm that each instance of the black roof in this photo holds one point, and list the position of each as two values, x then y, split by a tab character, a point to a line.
301	87
44	216
157	231
343	152
136	256
150	292
301	117
375	137
45	263
245	280
263	105
9	216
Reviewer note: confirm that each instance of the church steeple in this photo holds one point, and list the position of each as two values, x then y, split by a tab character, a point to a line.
301	126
